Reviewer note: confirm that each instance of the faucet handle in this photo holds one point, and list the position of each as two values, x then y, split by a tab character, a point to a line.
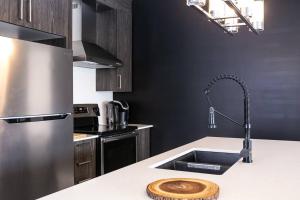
244	153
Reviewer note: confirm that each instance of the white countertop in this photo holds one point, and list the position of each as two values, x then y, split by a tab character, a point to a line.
274	174
141	126
81	136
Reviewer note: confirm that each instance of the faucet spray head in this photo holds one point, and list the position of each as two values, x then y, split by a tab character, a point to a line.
211	118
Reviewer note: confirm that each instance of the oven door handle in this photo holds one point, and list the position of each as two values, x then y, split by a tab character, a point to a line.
119	137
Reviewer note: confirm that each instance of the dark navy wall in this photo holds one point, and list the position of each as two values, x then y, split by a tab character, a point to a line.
176	52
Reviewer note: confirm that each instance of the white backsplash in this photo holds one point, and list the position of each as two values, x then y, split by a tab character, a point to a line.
84	90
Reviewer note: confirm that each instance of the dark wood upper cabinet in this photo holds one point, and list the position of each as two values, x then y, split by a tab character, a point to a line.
124	51
114	34
51	16
117	4
4	10
16	12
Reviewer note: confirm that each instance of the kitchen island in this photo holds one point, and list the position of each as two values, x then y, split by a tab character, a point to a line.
274	174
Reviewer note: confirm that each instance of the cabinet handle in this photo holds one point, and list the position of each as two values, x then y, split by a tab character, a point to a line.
120	81
21	11
30	11
84	163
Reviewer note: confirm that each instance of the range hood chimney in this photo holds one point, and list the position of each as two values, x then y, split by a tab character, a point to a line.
86	53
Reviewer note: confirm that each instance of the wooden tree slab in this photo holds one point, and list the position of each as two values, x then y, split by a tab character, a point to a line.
183	188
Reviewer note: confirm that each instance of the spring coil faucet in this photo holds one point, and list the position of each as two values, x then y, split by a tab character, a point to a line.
246	152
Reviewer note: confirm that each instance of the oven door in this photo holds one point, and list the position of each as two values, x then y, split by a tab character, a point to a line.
117	152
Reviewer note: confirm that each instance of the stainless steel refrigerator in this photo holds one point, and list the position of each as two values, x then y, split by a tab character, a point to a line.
36	145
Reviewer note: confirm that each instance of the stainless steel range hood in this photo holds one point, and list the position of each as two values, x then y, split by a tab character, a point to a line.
90	55
86	53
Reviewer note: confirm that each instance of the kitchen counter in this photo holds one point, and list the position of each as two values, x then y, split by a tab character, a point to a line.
274	174
80	137
141	126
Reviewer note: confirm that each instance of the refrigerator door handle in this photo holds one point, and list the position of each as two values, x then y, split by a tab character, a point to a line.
34	118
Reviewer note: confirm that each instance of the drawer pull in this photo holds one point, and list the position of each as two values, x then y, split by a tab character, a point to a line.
84	163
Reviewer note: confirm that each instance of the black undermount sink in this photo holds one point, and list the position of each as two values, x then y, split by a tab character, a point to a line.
207	162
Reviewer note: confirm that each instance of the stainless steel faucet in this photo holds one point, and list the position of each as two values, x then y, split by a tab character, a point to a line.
246	152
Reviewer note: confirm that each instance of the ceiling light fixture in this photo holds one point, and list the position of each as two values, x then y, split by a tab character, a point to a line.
230	15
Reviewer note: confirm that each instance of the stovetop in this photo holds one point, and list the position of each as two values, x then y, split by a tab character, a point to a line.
104	130
86	121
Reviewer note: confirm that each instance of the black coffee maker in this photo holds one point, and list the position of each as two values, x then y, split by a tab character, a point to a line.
117	113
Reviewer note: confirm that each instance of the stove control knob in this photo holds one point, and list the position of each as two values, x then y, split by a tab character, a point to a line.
96	111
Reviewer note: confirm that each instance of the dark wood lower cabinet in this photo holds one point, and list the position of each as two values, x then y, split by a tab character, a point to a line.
85	155
143	144
84	160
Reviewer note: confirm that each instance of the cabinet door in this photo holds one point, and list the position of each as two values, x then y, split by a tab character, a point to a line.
124	51
143	144
106	80
84	161
4	10
107	39
119	24
15	11
51	16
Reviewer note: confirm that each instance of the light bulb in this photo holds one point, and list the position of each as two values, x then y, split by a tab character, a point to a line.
231	22
245	7
217	8
257	19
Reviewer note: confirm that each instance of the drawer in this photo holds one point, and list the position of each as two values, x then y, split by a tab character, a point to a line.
84	160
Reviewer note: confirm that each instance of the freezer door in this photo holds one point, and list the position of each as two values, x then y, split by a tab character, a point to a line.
35	79
36	158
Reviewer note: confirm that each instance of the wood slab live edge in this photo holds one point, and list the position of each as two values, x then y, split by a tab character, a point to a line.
183	188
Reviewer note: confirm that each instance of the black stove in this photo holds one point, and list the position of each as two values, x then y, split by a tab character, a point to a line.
86	121
114	142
